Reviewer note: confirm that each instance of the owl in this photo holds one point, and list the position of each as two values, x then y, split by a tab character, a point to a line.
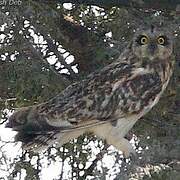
107	102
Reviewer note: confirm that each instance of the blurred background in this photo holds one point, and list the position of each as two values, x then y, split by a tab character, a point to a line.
46	45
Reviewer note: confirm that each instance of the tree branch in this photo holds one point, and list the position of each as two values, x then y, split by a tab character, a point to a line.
99	156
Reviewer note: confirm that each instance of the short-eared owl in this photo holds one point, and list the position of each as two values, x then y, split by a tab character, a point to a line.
107	103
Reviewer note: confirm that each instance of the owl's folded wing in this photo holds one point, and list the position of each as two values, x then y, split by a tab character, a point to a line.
119	90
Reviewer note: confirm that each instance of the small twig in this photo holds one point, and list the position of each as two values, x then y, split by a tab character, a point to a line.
39	56
6	100
154	122
99	156
3	122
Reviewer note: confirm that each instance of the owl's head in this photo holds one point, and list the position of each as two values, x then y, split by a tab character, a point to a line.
152	44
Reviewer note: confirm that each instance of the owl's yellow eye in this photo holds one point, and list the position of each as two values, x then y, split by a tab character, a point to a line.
161	41
144	40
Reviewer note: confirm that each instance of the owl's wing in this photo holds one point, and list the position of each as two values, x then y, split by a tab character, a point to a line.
118	90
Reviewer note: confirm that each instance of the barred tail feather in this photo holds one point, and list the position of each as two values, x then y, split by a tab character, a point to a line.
36	142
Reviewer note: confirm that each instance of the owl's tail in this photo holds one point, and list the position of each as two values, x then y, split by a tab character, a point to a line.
32	129
36	142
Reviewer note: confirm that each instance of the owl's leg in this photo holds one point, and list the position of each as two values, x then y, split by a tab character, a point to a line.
113	136
121	144
66	137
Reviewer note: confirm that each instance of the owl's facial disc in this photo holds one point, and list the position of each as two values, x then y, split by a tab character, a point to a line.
152	48
152	45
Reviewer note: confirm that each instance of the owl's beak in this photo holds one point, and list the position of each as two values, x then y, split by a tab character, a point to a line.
152	48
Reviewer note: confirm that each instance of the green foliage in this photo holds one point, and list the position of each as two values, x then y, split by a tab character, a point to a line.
37	33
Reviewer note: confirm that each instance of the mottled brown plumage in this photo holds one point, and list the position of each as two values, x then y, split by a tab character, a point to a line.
107	102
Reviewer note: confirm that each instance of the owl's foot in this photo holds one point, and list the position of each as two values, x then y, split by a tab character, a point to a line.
123	145
127	148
